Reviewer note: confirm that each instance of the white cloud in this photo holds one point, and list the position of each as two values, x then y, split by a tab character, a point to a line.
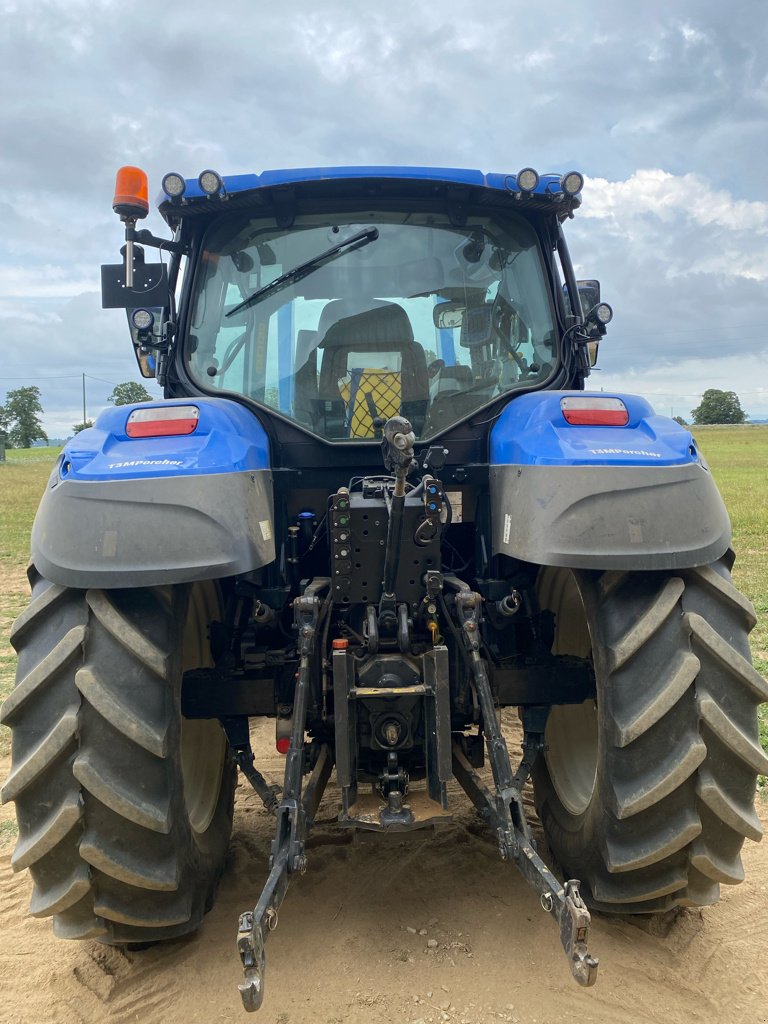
681	222
664	195
47	281
691	35
18	314
538	59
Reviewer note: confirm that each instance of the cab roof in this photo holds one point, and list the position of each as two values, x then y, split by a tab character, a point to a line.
245	189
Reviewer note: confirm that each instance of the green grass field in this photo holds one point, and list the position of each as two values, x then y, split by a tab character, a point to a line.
22	478
738	457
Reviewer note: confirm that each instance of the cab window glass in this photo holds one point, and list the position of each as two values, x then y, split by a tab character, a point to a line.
425	319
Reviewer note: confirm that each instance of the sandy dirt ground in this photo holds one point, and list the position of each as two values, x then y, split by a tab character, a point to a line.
433	929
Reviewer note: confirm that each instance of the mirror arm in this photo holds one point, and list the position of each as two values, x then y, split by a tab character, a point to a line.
146	237
570	275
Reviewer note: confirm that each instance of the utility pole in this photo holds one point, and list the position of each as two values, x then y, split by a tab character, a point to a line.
84	416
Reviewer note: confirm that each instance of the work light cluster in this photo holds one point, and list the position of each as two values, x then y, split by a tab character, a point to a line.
210	182
526	181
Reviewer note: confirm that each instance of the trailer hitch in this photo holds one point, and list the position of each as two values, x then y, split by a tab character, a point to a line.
295	812
564	902
574	932
503	808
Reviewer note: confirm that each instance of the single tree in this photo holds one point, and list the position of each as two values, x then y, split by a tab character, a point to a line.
77	427
719	407
22	411
680	420
129	392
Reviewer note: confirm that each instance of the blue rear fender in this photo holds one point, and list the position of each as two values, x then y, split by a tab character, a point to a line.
589	495
126	511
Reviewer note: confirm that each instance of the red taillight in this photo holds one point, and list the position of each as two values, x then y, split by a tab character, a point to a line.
159	421
591	410
283	731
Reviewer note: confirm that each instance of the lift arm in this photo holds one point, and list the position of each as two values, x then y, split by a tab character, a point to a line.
294	813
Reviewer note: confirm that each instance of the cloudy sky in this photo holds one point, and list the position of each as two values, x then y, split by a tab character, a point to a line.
664	109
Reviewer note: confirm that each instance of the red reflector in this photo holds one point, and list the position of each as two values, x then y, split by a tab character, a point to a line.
600	417
163	422
283	744
594	411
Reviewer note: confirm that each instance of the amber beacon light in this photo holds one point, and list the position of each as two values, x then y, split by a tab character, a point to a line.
131	203
131	193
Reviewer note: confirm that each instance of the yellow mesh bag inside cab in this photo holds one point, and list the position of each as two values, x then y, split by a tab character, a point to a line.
369	393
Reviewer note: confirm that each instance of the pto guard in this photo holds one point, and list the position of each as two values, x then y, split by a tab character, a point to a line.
133	512
595	496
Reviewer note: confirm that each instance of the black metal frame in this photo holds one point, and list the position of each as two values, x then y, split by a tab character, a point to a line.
501	806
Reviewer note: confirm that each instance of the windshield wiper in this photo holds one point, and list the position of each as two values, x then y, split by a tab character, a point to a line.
304	269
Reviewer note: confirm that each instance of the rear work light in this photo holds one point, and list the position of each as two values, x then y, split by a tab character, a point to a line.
572	183
527	180
174	185
594	411
163	422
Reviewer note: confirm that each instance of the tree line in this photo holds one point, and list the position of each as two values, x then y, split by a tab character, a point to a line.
719	407
20	415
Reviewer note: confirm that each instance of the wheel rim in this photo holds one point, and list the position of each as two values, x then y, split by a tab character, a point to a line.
203	748
203	745
572	740
572	734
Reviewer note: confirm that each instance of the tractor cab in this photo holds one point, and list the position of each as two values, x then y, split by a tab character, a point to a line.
334	300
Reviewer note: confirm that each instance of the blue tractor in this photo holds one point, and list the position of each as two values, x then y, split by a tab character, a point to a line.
377	505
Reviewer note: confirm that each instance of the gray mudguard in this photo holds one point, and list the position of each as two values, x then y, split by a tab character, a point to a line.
145	532
608	517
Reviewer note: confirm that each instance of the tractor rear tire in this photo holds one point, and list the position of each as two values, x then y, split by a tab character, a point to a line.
124	807
646	794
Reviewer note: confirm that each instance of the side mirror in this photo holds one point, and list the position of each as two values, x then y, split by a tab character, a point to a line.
596	322
147	326
597	315
589	294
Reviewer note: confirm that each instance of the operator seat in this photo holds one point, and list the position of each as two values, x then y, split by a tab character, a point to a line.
380	332
450	400
306	400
